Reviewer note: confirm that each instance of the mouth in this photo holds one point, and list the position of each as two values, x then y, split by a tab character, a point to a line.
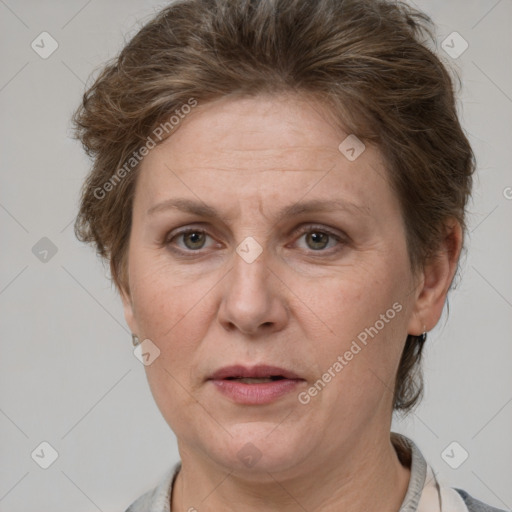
255	374
255	386
249	380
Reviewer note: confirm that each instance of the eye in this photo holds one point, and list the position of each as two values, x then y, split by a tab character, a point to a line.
317	238
193	239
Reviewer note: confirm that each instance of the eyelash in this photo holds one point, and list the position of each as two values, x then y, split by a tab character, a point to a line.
298	232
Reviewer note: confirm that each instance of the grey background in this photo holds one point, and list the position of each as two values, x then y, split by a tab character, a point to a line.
67	372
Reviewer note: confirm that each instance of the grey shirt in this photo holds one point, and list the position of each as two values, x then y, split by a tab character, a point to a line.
424	493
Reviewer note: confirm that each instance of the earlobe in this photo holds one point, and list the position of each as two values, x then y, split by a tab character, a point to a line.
128	311
438	274
123	288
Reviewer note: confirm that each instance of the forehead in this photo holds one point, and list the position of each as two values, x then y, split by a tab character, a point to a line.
261	149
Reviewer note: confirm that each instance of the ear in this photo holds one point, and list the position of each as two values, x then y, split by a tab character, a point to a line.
128	312
125	294
435	280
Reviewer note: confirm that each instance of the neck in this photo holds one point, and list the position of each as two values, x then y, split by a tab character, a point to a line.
366	477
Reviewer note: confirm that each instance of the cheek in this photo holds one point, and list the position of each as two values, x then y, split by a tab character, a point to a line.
174	313
162	302
172	316
365	315
353	300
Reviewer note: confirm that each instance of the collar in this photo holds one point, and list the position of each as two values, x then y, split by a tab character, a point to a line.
425	493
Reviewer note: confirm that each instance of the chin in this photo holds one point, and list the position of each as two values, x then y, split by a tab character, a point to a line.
257	448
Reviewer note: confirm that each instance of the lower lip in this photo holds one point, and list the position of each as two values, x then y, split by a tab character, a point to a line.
256	394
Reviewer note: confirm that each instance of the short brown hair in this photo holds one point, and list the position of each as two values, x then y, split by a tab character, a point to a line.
368	60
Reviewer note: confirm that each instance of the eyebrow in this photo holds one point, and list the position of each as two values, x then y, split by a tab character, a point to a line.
314	205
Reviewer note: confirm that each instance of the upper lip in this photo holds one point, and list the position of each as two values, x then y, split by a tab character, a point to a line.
259	371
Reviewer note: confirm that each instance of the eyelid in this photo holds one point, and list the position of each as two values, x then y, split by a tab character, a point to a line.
309	227
180	231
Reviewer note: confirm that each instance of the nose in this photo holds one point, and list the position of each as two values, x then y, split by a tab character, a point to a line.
254	298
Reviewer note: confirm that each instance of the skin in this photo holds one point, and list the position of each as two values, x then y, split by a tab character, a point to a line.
299	305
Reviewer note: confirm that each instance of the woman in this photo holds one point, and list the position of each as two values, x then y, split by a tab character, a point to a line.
280	189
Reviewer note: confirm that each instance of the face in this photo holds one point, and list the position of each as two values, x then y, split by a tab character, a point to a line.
323	293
